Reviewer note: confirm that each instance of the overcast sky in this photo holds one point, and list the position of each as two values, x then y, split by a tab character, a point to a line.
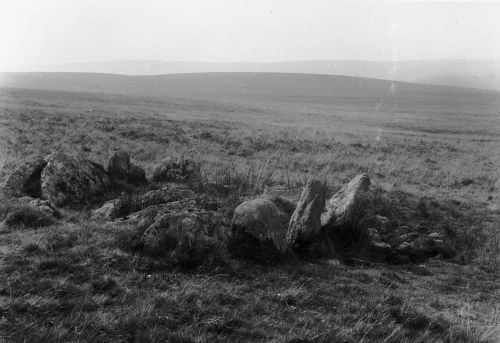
53	31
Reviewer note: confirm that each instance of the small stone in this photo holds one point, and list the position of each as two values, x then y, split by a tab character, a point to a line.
408	236
383	221
381	245
334	262
44	206
105	211
404	246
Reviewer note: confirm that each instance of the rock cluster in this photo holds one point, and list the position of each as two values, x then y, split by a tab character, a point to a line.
177	222
44	184
263	226
67	180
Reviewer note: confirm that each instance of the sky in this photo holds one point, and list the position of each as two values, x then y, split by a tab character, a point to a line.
61	31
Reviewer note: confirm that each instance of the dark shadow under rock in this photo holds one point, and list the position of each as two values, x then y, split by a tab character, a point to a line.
25	180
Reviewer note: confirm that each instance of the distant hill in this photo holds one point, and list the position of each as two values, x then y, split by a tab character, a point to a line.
260	88
462	73
232	85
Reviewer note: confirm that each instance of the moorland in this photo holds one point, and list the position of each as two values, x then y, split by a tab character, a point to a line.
431	150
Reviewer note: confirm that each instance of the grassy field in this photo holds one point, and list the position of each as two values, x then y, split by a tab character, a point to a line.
435	148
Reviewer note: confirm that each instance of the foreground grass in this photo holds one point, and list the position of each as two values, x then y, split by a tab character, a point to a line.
78	282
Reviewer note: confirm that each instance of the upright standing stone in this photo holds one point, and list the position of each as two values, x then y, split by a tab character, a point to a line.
342	203
306	220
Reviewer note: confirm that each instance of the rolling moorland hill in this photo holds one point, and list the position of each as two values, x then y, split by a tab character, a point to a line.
259	85
463	73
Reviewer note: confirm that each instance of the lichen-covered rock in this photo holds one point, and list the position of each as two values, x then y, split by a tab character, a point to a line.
172	192
105	211
129	203
258	230
40	204
25	180
342	204
150	214
68	180
120	167
192	236
306	219
45	206
176	170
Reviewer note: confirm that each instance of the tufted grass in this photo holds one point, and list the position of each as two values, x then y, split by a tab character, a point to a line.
75	283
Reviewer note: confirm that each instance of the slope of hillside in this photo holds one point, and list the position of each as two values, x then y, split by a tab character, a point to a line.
259	86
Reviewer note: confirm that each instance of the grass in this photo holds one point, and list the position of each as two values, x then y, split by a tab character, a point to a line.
434	168
75	284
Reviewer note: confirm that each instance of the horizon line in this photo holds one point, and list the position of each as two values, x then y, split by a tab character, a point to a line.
262	62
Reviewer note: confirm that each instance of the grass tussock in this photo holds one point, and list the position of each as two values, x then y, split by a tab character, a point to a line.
17	216
229	180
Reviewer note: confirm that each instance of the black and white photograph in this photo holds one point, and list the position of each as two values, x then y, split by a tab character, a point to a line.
283	171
